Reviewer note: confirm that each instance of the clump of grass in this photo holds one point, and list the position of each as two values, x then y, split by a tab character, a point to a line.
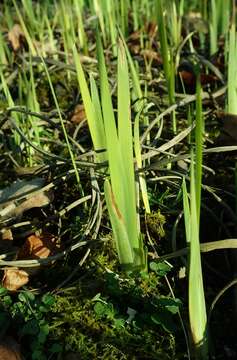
120	192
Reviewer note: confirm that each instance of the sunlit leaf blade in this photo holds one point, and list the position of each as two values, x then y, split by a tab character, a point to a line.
232	71
124	249
197	306
137	150
187	220
126	145
199	133
94	119
137	95
116	166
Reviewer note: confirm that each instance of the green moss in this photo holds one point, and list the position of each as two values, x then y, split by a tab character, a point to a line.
155	222
84	332
3	104
91	319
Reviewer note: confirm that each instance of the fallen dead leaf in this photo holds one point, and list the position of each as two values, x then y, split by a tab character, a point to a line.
151	29
134	42
6	240
16	37
14	278
36	247
45	47
19	197
78	114
152	55
187	74
35	201
20	188
9	349
6	234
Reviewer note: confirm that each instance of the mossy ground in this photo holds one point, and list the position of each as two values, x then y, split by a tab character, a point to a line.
91	318
97	314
